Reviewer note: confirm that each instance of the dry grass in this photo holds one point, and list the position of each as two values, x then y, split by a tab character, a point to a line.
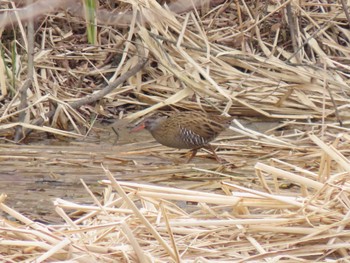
140	222
286	62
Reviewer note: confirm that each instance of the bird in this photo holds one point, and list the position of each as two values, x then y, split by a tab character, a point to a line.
186	130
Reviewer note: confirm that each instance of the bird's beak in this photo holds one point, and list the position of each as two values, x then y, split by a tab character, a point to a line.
138	127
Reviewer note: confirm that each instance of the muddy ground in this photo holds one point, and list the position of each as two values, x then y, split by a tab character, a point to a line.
34	174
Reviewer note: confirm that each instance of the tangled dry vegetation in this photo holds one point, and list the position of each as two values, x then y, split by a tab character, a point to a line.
286	199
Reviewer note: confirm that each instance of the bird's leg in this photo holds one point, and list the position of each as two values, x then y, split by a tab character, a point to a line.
193	154
212	150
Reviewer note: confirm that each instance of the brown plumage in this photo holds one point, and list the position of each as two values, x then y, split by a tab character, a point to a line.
186	130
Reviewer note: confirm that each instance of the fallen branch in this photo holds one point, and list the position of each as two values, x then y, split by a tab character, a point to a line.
99	95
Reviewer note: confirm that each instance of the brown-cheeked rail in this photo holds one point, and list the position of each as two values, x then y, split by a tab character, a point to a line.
186	130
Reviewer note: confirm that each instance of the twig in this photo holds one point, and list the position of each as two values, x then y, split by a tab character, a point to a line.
99	95
325	24
155	36
23	92
335	106
293	31
345	8
92	98
23	104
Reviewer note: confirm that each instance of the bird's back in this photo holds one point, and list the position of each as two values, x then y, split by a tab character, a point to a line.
188	130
